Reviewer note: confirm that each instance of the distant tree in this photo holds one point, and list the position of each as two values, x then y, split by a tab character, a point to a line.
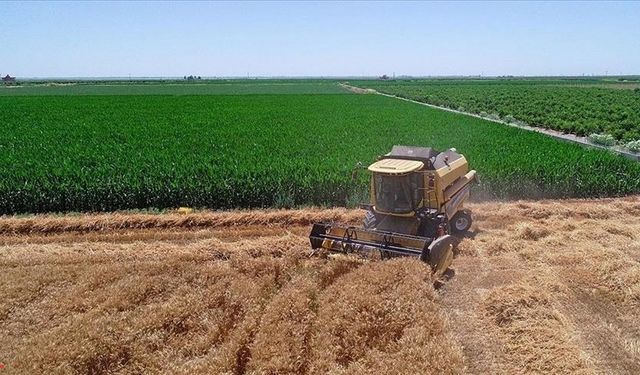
384	76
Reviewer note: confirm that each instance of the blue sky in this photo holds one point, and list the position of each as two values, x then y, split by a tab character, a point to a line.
109	39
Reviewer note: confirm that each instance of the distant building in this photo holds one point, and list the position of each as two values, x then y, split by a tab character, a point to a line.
8	80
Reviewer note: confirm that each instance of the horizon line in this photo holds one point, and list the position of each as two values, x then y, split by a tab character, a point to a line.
403	76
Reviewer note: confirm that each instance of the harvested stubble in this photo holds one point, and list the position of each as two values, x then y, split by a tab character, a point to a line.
536	335
549	287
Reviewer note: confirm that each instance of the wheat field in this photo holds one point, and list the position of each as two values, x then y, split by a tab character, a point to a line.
546	287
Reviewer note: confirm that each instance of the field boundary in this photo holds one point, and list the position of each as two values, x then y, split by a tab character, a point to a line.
584	141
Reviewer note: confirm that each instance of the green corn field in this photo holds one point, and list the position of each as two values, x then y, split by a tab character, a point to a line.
63	153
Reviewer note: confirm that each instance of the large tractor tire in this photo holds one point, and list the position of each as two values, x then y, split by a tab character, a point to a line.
461	222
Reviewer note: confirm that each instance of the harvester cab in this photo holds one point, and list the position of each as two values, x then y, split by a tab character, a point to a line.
416	204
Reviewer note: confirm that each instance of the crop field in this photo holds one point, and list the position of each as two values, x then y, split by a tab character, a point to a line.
545	287
574	106
218	87
78	152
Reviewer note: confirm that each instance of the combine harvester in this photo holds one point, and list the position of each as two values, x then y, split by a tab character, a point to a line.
417	197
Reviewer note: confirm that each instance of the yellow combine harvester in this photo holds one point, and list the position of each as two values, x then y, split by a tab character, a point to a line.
417	197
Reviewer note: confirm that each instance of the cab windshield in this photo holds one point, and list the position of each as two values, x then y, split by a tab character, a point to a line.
397	194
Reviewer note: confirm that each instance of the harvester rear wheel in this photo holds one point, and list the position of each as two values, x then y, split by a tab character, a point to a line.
461	222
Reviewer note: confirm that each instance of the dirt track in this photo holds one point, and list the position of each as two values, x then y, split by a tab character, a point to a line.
550	286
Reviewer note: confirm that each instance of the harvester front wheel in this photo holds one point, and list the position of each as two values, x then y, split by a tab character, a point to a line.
461	222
